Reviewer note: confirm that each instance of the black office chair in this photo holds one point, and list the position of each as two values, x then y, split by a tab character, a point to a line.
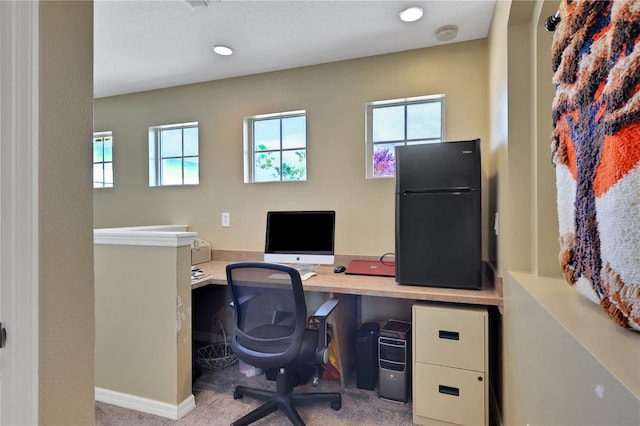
270	332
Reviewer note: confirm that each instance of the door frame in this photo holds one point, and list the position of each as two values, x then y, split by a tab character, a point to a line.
19	249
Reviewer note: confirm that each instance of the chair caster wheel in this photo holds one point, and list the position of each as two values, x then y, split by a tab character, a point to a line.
237	395
336	405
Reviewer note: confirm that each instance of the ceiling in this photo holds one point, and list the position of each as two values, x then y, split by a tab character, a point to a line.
145	45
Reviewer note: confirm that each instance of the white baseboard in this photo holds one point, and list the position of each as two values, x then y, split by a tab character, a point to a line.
146	405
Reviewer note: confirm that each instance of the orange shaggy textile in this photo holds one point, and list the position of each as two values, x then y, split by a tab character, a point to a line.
596	152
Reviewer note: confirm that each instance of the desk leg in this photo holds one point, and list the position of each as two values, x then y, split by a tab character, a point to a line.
343	320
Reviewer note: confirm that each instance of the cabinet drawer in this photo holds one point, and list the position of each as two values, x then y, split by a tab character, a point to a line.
449	394
453	337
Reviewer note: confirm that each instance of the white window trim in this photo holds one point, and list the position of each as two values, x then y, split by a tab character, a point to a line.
249	149
154	152
369	106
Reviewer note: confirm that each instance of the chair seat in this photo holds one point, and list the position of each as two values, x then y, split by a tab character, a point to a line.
269	332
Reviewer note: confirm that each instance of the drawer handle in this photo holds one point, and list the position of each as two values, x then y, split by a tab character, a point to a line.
449	390
450	335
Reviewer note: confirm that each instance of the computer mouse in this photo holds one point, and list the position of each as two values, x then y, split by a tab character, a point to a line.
339	269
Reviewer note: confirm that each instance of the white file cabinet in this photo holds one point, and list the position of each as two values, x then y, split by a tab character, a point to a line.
450	365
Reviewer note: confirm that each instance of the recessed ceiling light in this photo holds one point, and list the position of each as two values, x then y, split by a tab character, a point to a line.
411	14
222	50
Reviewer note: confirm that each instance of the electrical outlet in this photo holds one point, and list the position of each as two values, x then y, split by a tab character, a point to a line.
226	219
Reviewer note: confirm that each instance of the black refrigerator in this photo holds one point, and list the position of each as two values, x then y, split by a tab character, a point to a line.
438	215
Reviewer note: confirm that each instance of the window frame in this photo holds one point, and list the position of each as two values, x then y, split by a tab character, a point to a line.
370	144
155	155
102	135
251	153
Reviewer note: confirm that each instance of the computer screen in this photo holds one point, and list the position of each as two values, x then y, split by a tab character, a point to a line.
302	237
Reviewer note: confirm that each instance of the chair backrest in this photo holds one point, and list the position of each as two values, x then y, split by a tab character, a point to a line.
270	313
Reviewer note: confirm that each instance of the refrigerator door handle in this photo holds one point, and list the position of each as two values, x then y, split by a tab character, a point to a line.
437	190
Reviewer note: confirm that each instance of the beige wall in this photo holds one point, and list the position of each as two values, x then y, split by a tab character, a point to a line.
334	96
498	125
558	351
544	256
565	355
143	321
66	298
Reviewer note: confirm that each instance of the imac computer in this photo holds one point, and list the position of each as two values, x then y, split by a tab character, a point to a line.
305	238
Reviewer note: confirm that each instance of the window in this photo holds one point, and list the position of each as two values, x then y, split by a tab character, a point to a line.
275	147
102	160
173	155
400	122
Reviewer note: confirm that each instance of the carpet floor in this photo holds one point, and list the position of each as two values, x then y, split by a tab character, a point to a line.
213	392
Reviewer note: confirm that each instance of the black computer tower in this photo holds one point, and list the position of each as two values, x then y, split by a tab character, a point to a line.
366	348
394	359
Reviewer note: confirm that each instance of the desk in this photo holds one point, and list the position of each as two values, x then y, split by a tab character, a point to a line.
347	288
326	281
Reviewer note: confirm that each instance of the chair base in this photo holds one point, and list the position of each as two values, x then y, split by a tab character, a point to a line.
283	399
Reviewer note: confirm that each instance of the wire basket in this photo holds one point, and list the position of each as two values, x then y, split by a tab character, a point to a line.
217	355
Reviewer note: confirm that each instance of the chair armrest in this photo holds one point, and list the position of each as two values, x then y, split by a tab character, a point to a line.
322	352
326	308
